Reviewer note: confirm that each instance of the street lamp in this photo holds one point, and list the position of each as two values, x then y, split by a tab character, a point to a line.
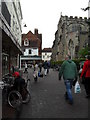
24	25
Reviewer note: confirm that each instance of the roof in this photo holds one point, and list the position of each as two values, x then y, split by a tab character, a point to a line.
34	40
30	36
47	50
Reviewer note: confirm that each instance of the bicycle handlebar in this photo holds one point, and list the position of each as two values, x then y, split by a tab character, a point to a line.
2	84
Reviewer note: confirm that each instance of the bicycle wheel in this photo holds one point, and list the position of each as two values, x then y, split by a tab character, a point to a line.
14	99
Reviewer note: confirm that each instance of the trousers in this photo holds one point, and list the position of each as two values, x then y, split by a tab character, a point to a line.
87	85
68	84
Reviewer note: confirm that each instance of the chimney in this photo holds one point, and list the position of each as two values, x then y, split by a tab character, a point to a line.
36	32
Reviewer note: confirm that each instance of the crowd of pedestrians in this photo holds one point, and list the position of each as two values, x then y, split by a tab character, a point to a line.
38	71
68	72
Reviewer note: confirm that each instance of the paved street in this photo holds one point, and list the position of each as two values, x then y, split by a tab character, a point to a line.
47	100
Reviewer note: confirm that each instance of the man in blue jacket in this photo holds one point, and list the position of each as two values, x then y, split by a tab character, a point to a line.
69	71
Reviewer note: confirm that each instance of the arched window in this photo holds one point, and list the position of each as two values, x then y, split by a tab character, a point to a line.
26	42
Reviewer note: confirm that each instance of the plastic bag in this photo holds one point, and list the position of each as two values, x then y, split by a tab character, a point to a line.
77	88
38	74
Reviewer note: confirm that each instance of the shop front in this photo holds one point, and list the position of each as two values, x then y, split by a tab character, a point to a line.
11	52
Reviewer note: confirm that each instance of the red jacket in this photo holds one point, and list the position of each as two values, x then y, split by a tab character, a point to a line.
86	68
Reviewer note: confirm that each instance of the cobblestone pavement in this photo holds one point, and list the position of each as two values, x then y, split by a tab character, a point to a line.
47	99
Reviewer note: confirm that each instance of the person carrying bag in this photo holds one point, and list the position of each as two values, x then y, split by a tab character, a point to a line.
86	71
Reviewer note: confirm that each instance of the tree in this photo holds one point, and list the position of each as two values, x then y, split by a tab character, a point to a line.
83	52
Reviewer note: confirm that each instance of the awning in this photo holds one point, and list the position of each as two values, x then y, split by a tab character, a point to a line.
31	58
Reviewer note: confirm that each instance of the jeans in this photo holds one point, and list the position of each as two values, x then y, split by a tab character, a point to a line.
68	84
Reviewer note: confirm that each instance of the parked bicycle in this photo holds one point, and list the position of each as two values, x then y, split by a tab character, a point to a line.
9	94
13	96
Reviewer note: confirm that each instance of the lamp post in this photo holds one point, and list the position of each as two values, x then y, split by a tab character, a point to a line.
24	25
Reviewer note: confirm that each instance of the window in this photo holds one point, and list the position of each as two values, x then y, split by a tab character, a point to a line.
48	56
26	42
6	13
30	51
43	56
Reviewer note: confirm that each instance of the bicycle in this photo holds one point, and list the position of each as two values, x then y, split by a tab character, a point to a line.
9	94
14	97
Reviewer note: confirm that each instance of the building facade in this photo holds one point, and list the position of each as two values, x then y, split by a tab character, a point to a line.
46	54
70	38
10	27
32	47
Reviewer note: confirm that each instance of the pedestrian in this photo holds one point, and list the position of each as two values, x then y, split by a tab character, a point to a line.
26	67
86	73
69	71
35	73
40	67
45	65
48	66
19	82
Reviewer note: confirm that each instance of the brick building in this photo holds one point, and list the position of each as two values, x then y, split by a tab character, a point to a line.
32	47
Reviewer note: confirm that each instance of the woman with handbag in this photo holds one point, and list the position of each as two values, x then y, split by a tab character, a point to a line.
86	71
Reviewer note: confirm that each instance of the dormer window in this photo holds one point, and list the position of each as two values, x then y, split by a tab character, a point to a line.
26	42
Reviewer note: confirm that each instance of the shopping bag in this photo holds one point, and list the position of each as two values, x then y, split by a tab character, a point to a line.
77	88
40	74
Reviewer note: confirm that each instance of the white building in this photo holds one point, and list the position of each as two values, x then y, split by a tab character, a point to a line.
46	54
10	25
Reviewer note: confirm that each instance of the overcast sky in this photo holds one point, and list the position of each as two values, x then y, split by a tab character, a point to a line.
45	14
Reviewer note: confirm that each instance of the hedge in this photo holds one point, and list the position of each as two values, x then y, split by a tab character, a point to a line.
77	61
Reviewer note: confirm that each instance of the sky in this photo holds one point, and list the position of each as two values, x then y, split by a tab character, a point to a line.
44	15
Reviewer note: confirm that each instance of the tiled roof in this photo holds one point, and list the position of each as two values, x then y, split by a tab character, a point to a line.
34	40
30	36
